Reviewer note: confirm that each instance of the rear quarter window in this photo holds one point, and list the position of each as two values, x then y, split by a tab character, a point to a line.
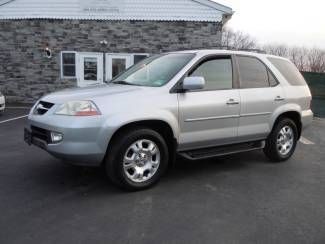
289	71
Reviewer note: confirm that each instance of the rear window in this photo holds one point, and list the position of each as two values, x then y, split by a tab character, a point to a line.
289	71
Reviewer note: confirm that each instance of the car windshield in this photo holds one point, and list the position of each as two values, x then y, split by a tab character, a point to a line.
154	71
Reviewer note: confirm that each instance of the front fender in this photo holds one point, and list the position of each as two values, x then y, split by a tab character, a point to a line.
114	122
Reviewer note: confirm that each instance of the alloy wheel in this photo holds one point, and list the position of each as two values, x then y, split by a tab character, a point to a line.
285	140
141	161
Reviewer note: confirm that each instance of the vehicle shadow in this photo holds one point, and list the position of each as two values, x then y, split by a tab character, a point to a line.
88	180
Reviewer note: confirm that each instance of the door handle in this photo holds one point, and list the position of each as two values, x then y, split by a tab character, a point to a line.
232	102
279	99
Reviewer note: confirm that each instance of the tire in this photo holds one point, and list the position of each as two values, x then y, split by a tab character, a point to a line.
281	143
129	155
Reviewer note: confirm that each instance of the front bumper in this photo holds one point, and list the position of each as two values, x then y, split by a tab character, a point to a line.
82	144
2	103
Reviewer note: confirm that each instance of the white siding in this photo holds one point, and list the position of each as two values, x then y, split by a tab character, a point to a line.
157	10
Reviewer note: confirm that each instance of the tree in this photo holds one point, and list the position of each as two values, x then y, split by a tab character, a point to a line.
278	50
237	40
305	59
312	60
316	60
299	57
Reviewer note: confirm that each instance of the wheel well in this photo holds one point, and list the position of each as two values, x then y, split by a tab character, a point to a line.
295	116
163	128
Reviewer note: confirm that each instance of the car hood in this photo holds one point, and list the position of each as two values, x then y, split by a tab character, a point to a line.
89	93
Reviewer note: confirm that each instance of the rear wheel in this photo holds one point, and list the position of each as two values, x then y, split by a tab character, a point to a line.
282	141
137	159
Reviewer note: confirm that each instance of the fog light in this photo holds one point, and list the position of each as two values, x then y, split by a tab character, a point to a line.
56	137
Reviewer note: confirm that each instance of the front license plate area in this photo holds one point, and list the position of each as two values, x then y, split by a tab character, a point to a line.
28	137
31	140
39	143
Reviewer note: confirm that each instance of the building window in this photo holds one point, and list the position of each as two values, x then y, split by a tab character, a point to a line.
68	64
90	68
138	57
116	63
118	66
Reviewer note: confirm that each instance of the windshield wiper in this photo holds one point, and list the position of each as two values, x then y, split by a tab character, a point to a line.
123	82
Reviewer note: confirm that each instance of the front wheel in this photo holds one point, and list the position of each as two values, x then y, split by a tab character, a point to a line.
282	141
137	159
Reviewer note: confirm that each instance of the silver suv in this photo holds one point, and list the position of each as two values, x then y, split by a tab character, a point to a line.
197	104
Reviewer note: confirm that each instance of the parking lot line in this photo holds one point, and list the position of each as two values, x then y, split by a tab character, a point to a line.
305	141
8	120
17	107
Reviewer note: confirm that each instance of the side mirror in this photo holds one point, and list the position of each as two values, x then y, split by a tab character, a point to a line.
193	83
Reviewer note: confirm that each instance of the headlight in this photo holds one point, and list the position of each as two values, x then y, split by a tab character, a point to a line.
78	108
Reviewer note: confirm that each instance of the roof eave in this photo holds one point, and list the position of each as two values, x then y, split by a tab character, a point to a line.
223	8
92	18
226	18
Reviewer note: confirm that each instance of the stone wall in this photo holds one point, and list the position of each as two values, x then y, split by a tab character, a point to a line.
26	73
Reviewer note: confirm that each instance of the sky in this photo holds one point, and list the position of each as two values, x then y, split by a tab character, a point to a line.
294	23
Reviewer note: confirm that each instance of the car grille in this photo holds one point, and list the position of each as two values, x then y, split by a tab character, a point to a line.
41	134
42	108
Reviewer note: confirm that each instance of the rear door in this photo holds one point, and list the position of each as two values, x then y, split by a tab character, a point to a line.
260	95
210	116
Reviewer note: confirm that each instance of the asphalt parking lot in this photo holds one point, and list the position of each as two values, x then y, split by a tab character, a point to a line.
235	199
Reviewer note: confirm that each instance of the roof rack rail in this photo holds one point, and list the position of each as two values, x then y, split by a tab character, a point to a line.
255	50
252	50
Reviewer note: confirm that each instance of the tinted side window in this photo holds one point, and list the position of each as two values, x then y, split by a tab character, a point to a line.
217	73
253	73
289	71
273	82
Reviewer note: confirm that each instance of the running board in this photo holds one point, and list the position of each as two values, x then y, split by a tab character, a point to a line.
222	150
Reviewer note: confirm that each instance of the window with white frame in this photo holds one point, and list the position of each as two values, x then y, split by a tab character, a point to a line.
137	57
68	64
115	63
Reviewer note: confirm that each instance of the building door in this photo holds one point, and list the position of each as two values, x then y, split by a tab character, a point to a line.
117	63
90	69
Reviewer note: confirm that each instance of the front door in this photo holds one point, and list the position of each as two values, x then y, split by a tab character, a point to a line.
90	69
210	117
117	63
